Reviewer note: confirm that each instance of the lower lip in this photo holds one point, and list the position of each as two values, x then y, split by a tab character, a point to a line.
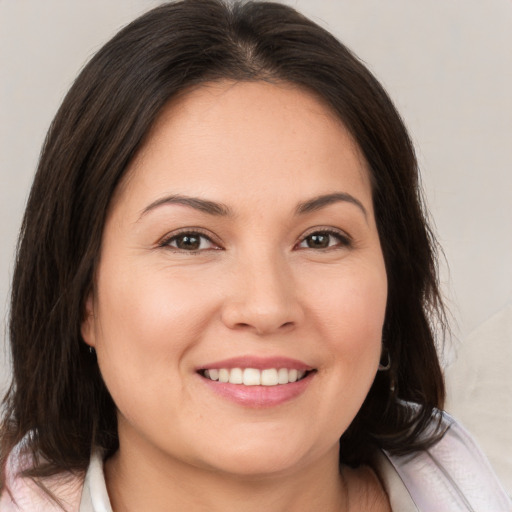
259	396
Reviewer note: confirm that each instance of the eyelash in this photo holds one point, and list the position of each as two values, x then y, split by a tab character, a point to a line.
343	239
166	242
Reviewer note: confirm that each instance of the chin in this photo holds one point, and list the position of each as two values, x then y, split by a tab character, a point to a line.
260	457
251	466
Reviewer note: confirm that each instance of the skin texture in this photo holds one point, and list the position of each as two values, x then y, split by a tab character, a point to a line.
255	287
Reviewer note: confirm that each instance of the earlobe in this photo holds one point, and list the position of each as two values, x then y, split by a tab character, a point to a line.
87	327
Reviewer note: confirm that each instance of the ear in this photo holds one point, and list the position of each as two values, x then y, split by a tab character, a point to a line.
87	327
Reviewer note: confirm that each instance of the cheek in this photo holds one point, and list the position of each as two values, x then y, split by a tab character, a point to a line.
141	304
146	323
351	308
347	307
349	317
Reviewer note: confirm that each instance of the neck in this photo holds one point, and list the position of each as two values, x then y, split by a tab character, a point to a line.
159	483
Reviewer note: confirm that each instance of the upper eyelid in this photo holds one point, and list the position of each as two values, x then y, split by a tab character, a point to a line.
215	240
166	239
325	229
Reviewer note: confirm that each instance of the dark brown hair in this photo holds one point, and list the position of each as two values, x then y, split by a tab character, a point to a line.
57	401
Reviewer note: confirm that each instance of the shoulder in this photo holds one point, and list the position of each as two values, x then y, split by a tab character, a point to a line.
452	475
22	494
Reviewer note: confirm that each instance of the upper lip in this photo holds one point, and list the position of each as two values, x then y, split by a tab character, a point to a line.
259	363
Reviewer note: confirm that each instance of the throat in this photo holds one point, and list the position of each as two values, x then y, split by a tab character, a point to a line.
364	491
133	487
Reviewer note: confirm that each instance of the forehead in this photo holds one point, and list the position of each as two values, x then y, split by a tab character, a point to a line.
239	138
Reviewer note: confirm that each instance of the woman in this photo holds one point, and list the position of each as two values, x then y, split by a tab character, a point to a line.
225	286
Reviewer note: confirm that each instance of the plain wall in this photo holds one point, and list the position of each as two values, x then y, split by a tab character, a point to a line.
448	67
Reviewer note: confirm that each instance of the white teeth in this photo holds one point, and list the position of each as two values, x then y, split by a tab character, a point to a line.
282	376
235	376
252	377
269	377
255	377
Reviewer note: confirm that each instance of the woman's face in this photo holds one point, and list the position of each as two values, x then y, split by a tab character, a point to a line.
242	246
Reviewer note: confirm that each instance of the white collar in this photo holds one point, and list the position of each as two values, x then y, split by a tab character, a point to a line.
95	496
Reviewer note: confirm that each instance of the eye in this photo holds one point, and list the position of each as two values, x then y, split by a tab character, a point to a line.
189	241
324	239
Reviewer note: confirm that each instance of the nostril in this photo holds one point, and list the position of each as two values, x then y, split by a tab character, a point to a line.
260	317
242	325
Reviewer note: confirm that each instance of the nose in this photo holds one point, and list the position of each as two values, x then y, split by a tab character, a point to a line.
263	298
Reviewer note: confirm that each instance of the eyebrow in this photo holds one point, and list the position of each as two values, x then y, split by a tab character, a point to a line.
203	205
222	210
325	200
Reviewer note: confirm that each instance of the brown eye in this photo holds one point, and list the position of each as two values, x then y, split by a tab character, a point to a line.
190	242
318	240
324	240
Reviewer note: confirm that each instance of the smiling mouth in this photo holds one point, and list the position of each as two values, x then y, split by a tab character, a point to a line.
254	376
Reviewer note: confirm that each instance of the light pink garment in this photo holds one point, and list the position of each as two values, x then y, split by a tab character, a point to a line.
28	497
451	476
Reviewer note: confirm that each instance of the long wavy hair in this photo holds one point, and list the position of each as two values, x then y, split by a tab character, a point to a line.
57	401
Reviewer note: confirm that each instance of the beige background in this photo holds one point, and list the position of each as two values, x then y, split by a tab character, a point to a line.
448	66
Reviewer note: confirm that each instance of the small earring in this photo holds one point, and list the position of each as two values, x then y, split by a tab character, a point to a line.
387	366
91	350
